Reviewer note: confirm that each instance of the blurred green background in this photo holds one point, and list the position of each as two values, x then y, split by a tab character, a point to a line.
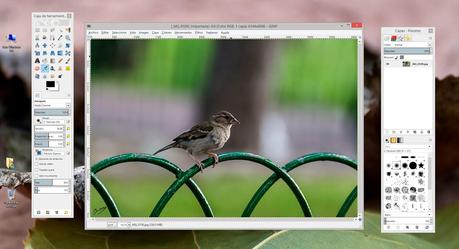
228	195
309	71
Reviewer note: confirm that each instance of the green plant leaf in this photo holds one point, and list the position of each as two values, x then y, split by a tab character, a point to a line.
67	233
371	237
447	228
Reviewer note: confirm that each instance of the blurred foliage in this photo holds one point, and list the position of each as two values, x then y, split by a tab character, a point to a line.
319	71
325	196
313	71
177	65
155	65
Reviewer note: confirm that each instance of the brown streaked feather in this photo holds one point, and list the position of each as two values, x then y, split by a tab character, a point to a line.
198	131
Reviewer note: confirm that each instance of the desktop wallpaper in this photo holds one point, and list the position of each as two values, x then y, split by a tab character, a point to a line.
18	230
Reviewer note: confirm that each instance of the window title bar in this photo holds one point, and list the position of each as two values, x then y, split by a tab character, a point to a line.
225	26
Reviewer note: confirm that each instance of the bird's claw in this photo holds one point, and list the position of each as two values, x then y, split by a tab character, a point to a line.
216	160
198	163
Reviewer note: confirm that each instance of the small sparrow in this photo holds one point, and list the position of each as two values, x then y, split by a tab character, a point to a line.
205	137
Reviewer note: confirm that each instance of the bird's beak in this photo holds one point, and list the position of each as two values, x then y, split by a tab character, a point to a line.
235	121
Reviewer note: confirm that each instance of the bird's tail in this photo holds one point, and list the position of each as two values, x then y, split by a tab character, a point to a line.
169	146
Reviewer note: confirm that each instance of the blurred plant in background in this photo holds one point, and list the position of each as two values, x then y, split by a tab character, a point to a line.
308	72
